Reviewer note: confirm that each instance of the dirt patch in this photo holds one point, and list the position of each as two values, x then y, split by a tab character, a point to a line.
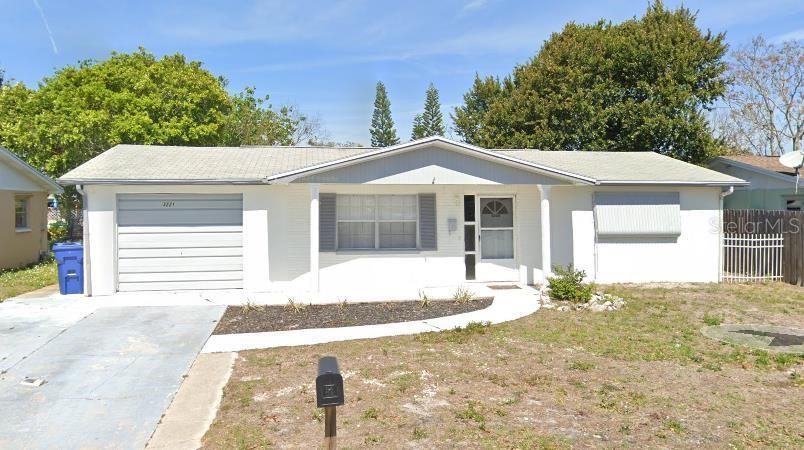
255	319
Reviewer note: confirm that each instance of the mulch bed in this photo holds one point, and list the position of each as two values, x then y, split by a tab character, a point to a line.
254	319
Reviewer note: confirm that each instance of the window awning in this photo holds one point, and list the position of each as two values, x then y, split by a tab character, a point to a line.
623	214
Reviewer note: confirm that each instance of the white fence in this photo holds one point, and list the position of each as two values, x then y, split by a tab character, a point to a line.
752	257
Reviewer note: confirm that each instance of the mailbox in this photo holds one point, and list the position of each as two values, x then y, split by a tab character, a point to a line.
328	383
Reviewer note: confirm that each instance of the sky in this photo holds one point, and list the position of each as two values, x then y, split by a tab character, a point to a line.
325	57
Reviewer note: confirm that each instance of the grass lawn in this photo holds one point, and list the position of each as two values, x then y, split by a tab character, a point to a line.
643	376
19	281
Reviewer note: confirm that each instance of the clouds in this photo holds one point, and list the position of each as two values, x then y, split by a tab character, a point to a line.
47	27
795	35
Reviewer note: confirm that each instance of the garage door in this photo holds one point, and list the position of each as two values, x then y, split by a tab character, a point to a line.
179	241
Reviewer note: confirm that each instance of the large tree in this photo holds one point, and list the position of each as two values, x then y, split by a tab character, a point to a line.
383	133
82	110
765	98
640	85
431	121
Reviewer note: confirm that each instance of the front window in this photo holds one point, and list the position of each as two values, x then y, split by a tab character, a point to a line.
377	221
21	213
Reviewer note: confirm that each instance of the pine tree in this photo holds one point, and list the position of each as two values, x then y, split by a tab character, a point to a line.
383	133
418	128
432	120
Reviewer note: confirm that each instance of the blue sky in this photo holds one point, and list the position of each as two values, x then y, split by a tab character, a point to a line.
326	56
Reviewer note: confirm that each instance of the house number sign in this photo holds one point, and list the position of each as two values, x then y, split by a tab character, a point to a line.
168	204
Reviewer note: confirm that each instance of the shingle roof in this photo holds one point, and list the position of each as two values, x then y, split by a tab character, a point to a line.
629	167
764	162
165	164
170	163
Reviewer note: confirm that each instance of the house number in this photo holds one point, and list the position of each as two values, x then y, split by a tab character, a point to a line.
169	204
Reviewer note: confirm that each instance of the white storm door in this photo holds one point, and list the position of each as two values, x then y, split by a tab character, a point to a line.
496	239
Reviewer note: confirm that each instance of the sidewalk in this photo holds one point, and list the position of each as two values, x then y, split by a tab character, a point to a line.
509	304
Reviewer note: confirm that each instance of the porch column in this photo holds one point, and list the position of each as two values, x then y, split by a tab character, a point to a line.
314	191
544	195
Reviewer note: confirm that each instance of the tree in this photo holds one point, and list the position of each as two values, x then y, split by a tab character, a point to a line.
2	76
383	133
432	120
253	122
765	115
469	118
641	85
418	131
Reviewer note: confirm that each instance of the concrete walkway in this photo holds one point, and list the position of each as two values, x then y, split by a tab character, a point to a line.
509	304
194	408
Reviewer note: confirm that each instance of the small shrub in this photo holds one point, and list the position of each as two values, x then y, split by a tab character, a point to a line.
57	231
343	303
250	306
424	300
462	295
294	306
567	284
419	433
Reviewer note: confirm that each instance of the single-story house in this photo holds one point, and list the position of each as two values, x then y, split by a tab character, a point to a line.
23	211
425	213
773	186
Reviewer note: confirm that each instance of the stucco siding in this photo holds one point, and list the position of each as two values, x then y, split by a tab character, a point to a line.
692	256
22	247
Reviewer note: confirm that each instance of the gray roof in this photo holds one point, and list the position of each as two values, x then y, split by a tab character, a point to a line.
249	165
199	164
624	167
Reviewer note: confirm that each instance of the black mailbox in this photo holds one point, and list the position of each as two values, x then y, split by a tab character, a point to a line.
328	383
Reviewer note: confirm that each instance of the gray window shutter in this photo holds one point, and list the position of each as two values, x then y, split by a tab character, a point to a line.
326	222
427	222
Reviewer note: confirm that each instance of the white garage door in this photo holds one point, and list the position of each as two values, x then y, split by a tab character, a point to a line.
179	241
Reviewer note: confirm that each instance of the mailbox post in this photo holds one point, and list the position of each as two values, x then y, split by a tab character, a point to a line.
329	395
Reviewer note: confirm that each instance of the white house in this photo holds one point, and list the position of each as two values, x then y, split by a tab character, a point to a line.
432	212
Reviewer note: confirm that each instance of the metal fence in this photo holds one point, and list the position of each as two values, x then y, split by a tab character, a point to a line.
761	245
752	257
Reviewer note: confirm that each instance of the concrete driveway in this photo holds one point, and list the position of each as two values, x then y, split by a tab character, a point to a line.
110	372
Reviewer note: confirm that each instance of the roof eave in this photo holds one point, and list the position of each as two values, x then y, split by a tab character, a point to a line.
290	176
672	183
44	180
221	181
757	169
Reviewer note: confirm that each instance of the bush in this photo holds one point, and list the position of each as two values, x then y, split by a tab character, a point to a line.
57	231
567	284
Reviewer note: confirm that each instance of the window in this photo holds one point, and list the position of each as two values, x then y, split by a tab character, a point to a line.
377	221
21	213
794	204
497	228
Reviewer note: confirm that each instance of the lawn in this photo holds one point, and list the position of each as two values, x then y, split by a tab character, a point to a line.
643	376
19	281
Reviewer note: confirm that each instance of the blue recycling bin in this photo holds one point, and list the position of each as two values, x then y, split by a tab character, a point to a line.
70	260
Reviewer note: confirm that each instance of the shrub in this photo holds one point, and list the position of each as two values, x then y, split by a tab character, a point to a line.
57	231
567	284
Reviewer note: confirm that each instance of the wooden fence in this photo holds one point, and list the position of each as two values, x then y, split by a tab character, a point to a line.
763	245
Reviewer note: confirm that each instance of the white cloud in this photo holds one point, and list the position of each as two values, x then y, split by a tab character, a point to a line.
474	4
795	35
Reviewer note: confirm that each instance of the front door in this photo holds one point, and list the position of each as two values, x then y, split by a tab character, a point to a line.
496	239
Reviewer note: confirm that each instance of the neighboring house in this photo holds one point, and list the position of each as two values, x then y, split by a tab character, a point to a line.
431	212
773	186
23	211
